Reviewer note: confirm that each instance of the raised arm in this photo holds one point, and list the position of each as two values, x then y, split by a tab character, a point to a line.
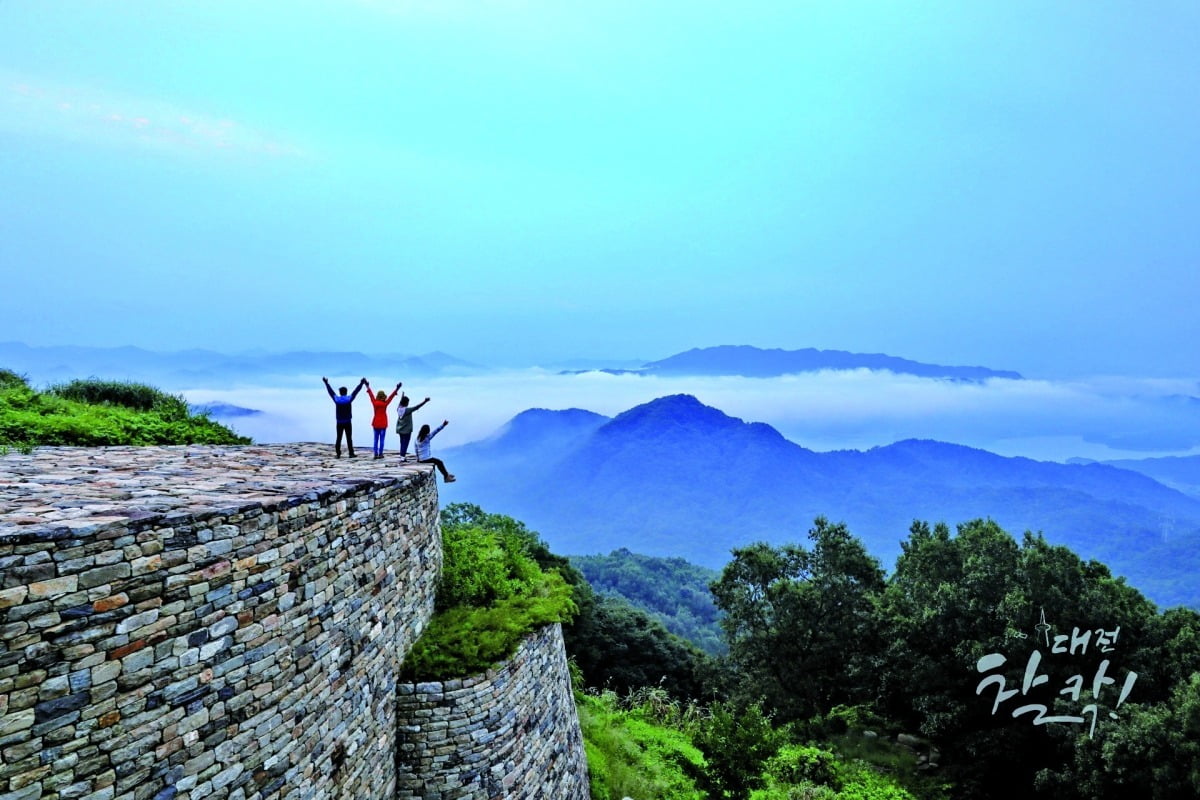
329	389
418	405
361	384
438	430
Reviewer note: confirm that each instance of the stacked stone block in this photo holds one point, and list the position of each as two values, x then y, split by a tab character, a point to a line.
511	732
219	623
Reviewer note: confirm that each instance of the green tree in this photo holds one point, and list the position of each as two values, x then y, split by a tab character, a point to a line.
801	623
953	599
1154	753
622	648
670	589
736	744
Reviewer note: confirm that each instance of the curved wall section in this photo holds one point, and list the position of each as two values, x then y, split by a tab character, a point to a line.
510	733
185	623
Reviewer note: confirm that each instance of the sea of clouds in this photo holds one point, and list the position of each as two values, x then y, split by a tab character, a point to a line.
1099	418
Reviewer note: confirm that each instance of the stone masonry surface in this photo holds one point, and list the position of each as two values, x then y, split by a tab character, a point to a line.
179	623
510	733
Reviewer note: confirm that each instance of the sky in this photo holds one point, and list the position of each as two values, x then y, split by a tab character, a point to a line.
1011	184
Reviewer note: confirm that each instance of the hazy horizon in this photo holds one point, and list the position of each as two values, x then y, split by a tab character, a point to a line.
1099	417
822	411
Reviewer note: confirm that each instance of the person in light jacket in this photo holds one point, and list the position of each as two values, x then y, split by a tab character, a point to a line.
424	437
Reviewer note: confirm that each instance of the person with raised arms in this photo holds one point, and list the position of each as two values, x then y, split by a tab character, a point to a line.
404	422
423	451
344	412
380	401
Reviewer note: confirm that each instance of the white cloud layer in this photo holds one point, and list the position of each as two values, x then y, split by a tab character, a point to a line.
1055	420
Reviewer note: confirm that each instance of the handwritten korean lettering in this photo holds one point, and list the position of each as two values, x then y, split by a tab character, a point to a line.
1070	645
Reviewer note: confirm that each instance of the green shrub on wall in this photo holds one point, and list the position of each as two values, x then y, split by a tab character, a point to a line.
483	566
94	412
491	595
136	396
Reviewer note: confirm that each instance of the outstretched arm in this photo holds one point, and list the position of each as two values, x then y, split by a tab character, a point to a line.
418	405
361	384
393	394
329	389
445	422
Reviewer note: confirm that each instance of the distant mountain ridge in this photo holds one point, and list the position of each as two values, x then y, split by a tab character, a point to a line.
754	362
1178	472
674	477
186	367
224	410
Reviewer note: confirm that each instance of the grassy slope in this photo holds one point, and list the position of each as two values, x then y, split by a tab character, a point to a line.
91	413
641	746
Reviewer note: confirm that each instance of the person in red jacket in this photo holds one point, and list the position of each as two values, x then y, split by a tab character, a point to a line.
379	424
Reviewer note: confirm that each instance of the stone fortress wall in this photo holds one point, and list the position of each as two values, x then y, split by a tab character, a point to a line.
197	622
512	732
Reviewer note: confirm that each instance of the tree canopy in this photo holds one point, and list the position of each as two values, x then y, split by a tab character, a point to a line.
1030	668
801	622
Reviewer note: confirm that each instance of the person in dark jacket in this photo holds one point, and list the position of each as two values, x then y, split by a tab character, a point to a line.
341	402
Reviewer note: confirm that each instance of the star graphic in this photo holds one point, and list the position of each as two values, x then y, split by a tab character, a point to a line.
1043	627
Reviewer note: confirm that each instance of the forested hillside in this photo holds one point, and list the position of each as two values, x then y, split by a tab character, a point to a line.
671	590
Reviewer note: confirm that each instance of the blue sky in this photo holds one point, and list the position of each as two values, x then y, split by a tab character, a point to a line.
1003	183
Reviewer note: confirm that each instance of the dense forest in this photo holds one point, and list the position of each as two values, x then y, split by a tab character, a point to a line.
1031	671
981	667
671	590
